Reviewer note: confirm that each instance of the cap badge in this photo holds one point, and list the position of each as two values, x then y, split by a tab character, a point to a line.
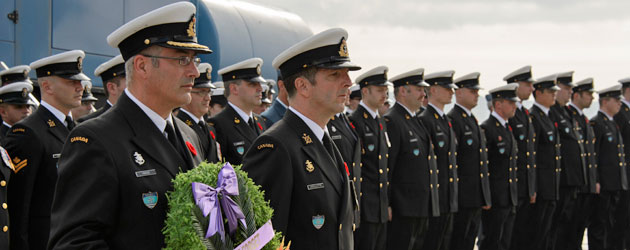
309	166
80	63
138	158
191	27
343	48
307	138
24	92
208	74
25	74
258	69
385	74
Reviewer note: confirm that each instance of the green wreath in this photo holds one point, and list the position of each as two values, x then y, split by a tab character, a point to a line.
186	225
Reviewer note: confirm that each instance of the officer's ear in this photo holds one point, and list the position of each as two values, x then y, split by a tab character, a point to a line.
303	86
140	66
45	84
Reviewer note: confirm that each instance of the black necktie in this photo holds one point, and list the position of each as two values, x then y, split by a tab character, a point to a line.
204	128
69	122
328	144
172	138
251	125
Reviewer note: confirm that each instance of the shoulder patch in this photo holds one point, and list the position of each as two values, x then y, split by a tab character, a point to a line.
265	145
18	130
79	138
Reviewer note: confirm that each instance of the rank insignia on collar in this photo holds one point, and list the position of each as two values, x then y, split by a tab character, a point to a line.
497	124
436	116
464	115
138	158
51	123
407	116
365	115
309	166
307	138
189	122
236	120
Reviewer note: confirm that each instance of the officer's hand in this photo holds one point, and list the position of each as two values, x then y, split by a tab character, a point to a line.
486	207
597	188
389	213
532	199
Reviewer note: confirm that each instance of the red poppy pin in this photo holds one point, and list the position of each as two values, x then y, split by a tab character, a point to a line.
510	127
191	148
213	137
500	138
526	111
260	127
450	125
556	124
586	119
352	125
381	125
347	171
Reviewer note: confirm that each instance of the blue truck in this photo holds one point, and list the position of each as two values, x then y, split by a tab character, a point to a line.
234	30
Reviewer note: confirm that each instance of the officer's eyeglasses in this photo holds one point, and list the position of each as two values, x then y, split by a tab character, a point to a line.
202	93
183	60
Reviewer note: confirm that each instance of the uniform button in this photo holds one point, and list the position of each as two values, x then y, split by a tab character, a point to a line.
379	157
510	169
354	227
354	164
488	174
5	228
527	153
361	180
361	164
386	155
361	194
388	183
515	168
429	157
4	205
480	162
510	180
455	153
340	226
387	170
481	175
430	171
431	186
556	158
449	153
480	150
438	185
620	164
3	183
380	171
457	179
438	171
590	166
510	158
450	166
534	152
380	185
516	179
450	179
354	179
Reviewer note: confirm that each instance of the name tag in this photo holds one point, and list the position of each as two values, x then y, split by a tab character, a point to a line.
315	186
238	143
413	140
519	125
144	173
369	134
468	133
336	137
56	156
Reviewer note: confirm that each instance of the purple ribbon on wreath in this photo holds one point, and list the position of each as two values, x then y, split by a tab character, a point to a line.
207	199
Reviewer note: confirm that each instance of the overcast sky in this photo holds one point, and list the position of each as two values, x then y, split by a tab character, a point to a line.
489	36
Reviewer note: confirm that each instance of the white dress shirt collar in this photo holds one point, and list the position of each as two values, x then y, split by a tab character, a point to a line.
499	118
372	112
464	108
58	114
241	113
408	110
159	121
316	129
576	108
196	119
543	108
606	114
440	112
